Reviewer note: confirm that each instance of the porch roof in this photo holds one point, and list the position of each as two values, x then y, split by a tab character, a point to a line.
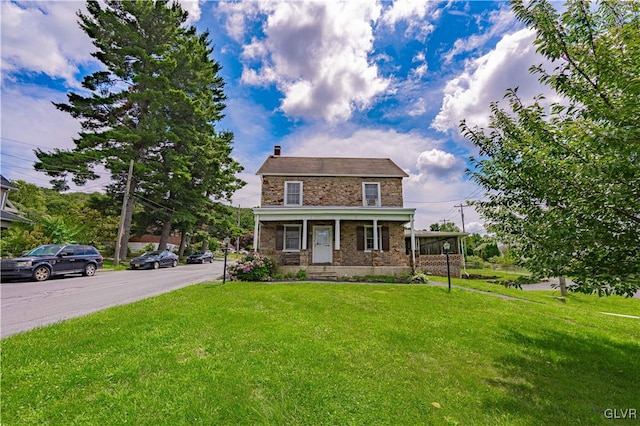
435	234
272	214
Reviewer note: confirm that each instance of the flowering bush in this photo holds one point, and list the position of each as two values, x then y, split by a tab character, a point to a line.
251	267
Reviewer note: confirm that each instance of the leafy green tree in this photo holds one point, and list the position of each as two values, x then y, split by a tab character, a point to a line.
471	242
57	218
563	181
445	227
20	237
155	103
29	199
489	250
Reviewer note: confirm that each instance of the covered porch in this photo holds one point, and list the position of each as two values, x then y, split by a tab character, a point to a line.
331	240
427	249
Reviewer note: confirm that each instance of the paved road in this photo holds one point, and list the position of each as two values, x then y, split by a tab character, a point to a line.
547	286
27	305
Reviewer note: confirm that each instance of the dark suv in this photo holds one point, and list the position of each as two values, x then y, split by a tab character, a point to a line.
53	259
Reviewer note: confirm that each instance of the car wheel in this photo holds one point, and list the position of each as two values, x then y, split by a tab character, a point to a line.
41	273
89	270
174	264
156	265
210	259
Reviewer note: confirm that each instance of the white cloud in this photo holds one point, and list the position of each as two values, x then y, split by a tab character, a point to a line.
43	37
486	79
420	71
193	7
440	165
500	21
316	53
413	13
418	107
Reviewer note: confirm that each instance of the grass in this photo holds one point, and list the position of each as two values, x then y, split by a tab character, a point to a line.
299	353
108	264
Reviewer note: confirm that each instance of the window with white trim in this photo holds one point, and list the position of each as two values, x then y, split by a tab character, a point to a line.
292	234
371	194
368	238
293	193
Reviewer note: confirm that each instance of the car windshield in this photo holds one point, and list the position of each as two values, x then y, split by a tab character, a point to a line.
197	253
151	253
48	250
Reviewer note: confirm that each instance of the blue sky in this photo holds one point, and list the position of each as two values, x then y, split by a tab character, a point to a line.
320	78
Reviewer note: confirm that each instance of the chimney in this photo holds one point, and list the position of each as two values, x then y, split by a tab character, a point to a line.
276	151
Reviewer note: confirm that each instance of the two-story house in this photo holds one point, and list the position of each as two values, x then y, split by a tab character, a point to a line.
8	212
333	216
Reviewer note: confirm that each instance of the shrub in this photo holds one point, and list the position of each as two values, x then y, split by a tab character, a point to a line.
302	274
251	267
418	278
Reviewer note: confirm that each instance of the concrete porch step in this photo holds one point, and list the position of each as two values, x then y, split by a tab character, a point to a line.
322	276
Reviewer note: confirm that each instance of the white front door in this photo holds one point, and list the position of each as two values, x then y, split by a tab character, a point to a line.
322	247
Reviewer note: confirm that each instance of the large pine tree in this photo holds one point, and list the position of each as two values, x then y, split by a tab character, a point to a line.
156	102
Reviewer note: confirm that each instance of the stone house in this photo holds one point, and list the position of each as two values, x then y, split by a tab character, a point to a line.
333	217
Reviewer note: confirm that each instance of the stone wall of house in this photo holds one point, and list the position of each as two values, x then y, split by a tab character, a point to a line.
437	264
340	191
348	255
351	256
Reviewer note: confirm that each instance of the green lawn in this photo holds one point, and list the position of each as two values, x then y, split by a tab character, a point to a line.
298	353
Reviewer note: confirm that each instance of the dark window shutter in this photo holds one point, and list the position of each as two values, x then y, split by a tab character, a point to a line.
385	238
279	238
360	238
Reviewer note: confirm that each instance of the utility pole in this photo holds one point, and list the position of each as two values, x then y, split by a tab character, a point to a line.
462	213
462	247
116	257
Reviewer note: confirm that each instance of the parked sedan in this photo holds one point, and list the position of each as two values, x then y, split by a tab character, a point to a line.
154	260
48	260
200	257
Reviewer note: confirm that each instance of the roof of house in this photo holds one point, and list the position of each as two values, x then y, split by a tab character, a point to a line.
327	166
435	234
5	183
149	238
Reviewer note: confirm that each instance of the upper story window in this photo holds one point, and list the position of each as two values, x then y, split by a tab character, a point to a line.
371	194
293	193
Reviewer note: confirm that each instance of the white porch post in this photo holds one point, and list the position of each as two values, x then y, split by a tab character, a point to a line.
413	245
304	234
337	235
375	234
256	230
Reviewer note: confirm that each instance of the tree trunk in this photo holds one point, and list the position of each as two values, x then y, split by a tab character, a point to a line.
126	229
166	230
205	245
183	242
563	285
